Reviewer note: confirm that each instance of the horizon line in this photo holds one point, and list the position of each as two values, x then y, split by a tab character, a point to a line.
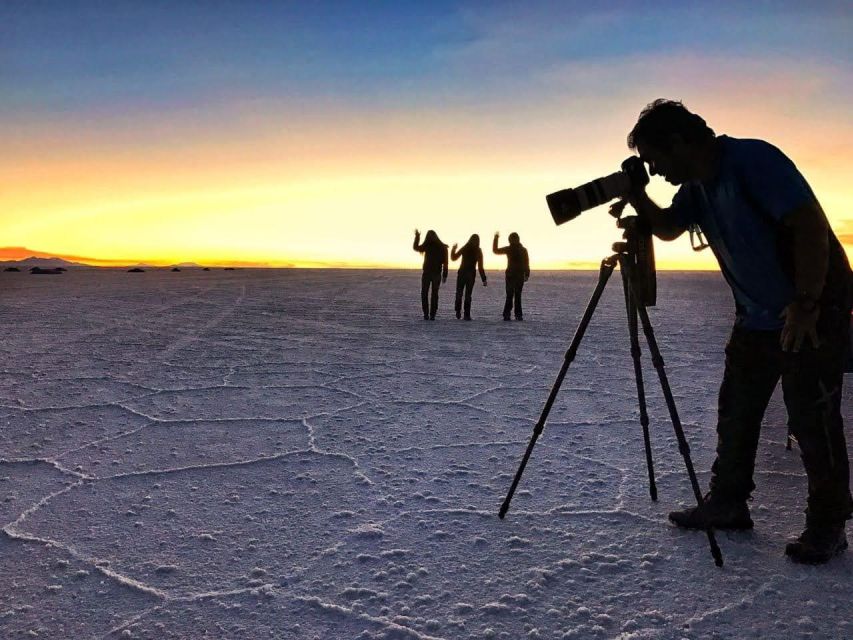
20	254
10	254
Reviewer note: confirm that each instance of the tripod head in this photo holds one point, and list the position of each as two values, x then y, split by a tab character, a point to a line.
639	251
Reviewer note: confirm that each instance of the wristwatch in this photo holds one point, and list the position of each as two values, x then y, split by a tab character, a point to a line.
806	301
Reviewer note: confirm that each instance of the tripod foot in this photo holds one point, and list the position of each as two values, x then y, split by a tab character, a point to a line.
715	548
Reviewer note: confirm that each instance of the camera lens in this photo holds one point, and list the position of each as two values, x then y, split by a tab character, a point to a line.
564	205
568	204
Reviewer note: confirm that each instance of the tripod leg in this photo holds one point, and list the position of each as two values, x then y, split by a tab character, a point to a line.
683	446
607	266
638	376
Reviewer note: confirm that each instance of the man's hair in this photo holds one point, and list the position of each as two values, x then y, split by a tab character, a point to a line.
513	237
663	118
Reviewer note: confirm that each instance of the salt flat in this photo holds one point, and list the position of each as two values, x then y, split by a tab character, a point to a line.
297	454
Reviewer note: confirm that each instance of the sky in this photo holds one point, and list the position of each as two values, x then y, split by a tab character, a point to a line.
323	134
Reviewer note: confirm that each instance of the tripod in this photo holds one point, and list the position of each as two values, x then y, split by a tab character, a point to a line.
637	285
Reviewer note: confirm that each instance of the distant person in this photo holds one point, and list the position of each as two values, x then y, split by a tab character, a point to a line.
435	270
472	261
792	291
517	273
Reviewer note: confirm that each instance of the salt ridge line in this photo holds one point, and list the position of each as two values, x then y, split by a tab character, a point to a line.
49	461
273	591
186	340
100	441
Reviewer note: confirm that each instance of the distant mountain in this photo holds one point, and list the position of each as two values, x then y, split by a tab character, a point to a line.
44	263
187	264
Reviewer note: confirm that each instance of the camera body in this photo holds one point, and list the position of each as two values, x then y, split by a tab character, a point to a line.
568	204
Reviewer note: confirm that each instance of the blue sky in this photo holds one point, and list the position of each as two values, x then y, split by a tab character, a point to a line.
78	55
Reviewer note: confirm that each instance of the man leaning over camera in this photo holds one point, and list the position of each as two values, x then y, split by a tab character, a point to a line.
793	292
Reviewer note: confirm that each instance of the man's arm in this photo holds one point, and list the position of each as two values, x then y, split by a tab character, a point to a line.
495	248
454	254
526	265
661	220
810	233
480	266
415	244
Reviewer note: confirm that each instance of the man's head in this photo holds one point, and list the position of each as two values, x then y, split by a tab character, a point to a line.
513	238
674	142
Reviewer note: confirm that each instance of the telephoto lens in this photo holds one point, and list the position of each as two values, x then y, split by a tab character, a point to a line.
568	204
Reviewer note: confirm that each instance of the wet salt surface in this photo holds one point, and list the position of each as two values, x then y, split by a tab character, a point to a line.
296	454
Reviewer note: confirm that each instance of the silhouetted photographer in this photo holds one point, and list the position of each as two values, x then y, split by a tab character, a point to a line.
435	270
472	261
517	273
792	289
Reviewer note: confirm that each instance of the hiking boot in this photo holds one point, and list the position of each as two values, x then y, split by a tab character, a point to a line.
719	514
467	317
817	544
458	314
519	318
506	318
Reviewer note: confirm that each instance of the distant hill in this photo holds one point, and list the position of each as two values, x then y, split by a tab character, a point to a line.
44	263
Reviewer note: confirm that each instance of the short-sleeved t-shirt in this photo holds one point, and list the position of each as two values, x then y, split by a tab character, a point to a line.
739	212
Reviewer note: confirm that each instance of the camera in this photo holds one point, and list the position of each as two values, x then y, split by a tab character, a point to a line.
568	204
638	248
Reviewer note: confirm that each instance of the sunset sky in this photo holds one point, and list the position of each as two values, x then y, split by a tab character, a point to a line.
323	133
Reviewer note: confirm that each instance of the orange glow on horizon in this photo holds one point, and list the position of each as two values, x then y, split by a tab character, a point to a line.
339	189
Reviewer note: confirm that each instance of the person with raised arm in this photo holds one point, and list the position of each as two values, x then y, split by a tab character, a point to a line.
517	273
434	270
472	261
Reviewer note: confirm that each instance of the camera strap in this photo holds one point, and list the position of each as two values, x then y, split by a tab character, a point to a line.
697	238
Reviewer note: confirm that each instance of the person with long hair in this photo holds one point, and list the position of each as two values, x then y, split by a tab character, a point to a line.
517	272
435	270
472	261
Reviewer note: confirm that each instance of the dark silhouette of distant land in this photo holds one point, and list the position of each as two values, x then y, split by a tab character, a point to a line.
43	263
36	271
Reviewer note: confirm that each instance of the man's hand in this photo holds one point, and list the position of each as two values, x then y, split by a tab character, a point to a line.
455	244
799	325
617	208
497	234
